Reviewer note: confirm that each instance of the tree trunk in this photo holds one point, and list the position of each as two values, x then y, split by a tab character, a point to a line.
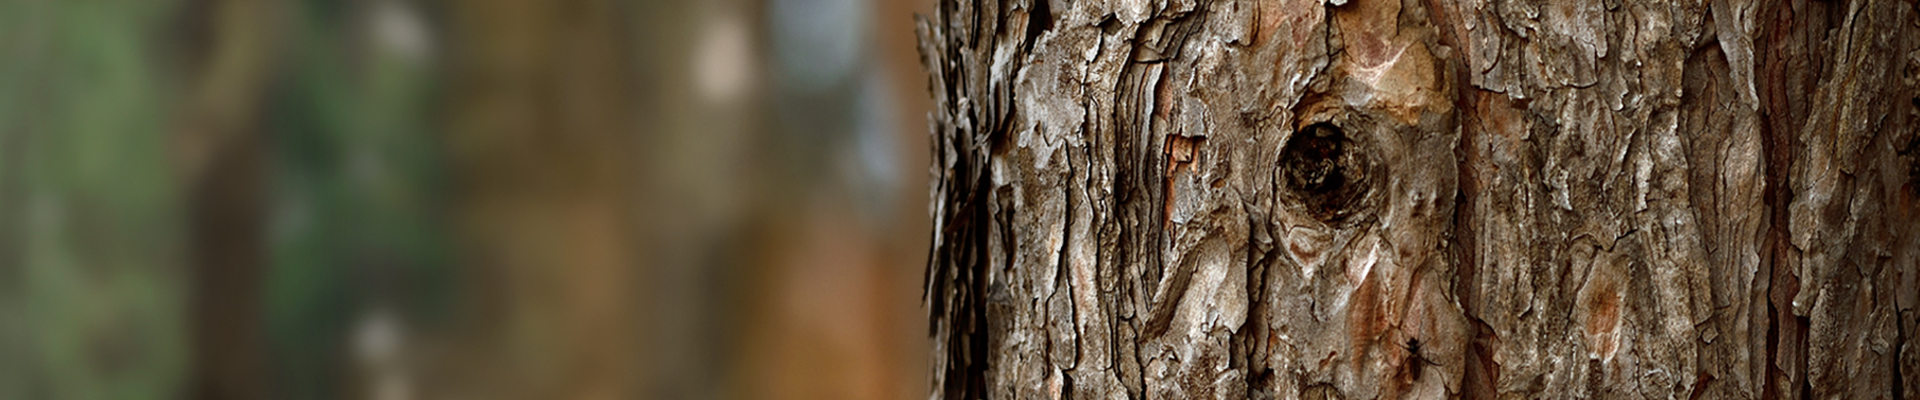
537	140
1424	199
220	149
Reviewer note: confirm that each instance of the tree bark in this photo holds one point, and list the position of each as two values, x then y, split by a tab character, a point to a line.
1424	199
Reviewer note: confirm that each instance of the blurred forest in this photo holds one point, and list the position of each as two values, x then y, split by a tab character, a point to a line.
484	199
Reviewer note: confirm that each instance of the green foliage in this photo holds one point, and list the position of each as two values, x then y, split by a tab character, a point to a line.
358	194
92	230
90	291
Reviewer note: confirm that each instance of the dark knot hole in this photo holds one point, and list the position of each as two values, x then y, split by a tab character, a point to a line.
1322	167
1313	158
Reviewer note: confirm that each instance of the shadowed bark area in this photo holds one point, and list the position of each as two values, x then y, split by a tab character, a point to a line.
1424	199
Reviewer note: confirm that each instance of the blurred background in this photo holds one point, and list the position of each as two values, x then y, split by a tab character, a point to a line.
462	199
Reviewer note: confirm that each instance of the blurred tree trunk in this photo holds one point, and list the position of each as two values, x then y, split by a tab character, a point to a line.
1425	199
220	151
540	140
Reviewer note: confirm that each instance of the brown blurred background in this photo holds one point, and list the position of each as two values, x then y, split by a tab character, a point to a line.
461	199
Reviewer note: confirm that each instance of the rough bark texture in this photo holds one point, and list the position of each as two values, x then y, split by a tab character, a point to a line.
1365	199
